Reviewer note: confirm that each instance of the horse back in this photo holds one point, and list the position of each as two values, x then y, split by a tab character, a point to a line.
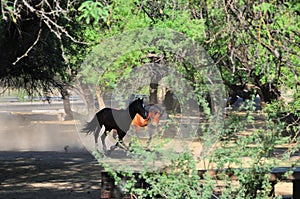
114	119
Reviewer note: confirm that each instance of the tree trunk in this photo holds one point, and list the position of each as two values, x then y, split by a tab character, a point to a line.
100	100
157	73
87	96
153	93
67	108
66	101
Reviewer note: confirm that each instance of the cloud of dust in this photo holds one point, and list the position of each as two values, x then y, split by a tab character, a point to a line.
37	132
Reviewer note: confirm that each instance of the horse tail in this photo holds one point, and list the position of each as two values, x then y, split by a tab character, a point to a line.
91	126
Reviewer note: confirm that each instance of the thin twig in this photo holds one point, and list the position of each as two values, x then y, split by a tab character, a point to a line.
52	25
31	47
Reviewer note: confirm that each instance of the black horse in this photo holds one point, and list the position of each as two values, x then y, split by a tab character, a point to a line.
114	119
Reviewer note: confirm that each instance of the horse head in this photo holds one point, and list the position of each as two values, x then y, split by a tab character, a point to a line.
139	107
155	112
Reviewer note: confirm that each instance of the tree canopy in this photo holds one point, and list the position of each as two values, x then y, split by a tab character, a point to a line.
255	44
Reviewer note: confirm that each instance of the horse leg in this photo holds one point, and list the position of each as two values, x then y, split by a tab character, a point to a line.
96	135
103	136
121	135
137	130
150	139
155	131
150	136
120	143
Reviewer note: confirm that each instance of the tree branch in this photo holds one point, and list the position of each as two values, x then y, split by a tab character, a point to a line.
31	47
54	27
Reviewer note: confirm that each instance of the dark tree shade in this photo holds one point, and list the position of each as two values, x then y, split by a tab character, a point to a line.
31	56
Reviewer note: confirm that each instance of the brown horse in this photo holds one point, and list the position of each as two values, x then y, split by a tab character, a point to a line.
154	114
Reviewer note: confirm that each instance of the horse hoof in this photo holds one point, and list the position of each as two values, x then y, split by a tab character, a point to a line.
107	153
113	148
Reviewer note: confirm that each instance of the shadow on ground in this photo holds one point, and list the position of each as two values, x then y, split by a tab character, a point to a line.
48	174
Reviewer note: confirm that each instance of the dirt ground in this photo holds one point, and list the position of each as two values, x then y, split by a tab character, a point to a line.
43	157
48	175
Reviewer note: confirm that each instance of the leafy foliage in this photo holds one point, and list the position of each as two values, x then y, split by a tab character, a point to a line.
93	11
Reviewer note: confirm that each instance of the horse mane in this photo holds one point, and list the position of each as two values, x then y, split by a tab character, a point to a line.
154	107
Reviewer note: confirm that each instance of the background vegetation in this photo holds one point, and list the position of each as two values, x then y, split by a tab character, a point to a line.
255	45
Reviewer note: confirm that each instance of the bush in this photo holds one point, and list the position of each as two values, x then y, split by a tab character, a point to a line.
247	149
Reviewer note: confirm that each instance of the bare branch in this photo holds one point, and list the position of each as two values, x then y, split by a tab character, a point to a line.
48	19
30	48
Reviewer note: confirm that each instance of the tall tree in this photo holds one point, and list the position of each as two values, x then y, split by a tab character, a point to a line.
32	49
